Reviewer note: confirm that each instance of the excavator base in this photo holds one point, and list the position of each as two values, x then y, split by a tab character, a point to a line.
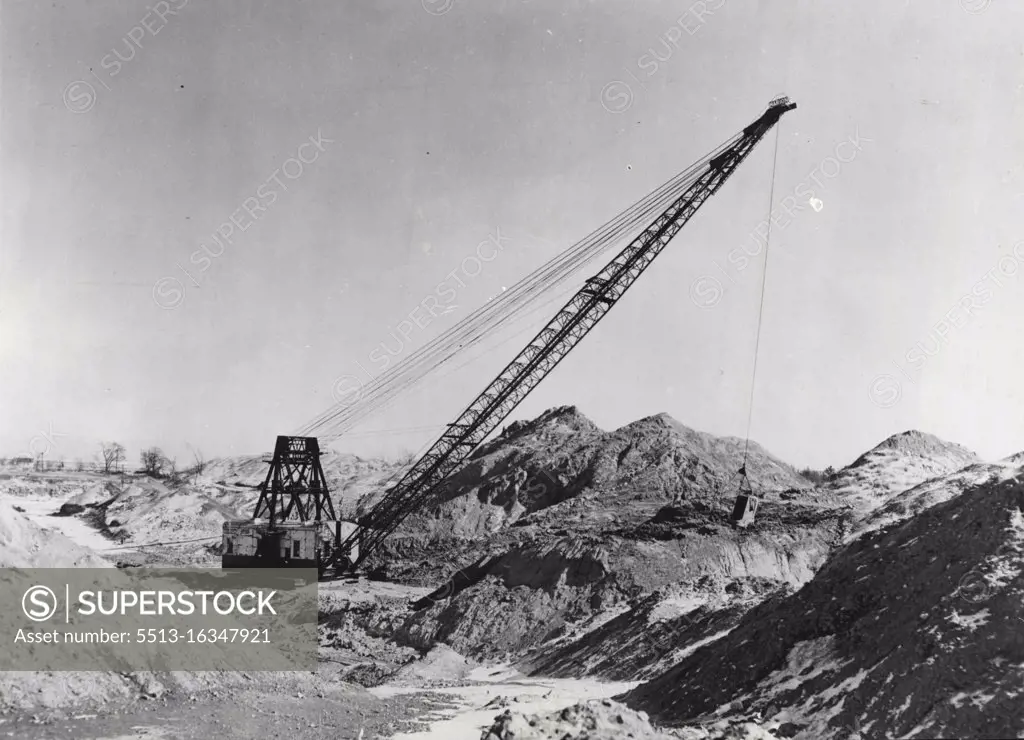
294	524
255	544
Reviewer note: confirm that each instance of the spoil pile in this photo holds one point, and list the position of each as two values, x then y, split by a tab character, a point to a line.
560	456
900	462
644	641
592	720
556	524
912	631
608	720
934	491
24	544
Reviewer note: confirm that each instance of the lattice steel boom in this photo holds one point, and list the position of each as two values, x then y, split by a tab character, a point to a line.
551	345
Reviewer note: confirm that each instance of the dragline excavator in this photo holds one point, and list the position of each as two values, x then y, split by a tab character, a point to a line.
295	523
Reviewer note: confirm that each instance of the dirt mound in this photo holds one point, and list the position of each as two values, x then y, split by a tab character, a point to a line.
605	520
172	523
24	544
36	485
906	631
549	583
562	456
900	462
350	478
552	425
505	604
93	493
157	512
604	719
594	720
354	630
440	666
922	444
643	641
935	491
705	462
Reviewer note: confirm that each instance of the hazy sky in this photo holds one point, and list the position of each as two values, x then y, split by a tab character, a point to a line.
132	132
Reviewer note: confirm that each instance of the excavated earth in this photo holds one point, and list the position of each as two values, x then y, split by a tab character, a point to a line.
558	525
915	630
570	552
898	463
609	720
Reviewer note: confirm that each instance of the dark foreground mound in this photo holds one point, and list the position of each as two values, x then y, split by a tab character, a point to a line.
915	631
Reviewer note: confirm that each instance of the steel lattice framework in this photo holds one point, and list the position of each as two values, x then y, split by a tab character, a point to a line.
295	487
573	322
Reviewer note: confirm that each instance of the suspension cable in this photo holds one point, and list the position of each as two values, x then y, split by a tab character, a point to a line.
760	309
507	307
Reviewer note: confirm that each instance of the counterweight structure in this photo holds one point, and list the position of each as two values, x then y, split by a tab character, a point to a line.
294	523
295	486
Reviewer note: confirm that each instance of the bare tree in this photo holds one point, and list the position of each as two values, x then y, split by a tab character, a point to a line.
79	465
113	455
197	469
153	461
170	466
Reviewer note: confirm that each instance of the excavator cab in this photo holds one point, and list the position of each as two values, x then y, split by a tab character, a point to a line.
745	508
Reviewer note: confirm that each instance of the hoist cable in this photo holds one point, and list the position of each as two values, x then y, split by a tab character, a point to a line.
760	309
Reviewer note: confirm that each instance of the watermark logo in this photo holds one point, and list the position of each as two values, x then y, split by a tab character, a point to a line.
885	390
348	390
616	96
974	588
188	619
707	291
169	292
546	480
46	440
79	96
974	7
446	591
437	7
39	603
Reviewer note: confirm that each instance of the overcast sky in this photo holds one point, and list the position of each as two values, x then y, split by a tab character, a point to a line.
133	132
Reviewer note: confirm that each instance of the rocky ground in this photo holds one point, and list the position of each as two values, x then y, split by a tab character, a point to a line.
608	720
896	464
876	604
916	630
556	541
267	709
